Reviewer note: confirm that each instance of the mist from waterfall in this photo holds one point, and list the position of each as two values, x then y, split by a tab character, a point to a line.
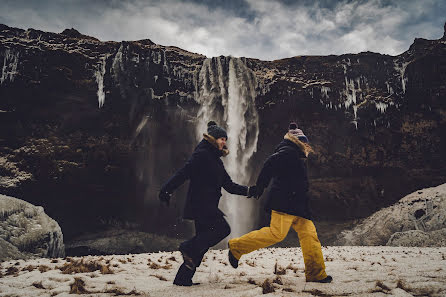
225	90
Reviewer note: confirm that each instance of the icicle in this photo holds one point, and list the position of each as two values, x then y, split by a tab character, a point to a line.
10	63
324	91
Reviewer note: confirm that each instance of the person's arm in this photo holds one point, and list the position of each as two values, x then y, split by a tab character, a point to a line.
232	187
181	175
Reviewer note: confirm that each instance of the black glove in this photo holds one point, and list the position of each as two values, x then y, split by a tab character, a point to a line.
164	196
253	192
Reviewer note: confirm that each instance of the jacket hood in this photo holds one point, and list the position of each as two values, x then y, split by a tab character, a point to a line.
303	147
213	142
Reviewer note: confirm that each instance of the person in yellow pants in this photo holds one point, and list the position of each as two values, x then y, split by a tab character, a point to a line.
288	204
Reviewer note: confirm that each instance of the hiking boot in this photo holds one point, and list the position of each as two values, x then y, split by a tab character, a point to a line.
184	277
232	260
326	280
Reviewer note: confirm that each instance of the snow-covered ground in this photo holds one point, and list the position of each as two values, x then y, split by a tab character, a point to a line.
357	271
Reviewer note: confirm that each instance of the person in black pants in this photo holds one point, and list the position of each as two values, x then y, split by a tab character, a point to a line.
207	176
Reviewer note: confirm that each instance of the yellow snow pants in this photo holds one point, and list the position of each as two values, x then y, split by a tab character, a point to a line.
276	232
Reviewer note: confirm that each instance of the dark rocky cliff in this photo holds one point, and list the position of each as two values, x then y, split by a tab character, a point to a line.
90	129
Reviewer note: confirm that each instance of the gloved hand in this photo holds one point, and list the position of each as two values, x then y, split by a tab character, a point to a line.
164	196
253	192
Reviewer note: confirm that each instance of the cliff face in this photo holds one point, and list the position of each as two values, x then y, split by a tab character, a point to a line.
90	129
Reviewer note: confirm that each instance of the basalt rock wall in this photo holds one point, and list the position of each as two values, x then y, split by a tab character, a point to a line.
91	129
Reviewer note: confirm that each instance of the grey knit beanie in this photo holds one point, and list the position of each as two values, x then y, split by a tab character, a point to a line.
216	131
293	130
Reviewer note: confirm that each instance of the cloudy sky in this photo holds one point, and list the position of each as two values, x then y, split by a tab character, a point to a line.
264	29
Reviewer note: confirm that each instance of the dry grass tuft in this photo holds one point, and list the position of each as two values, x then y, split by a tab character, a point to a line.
242	273
38	285
120	292
381	285
228	287
267	287
153	265
279	270
78	287
29	268
319	293
160	277
417	291
12	271
293	268
123	261
251	263
252	281
278	280
44	268
173	259
82	267
105	269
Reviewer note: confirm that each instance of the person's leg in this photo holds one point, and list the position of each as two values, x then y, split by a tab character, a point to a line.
277	231
311	249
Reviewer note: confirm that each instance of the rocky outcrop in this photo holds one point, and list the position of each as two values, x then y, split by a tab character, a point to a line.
419	238
91	129
25	230
419	219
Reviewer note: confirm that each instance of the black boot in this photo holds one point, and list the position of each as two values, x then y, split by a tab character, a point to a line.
184	276
232	260
326	280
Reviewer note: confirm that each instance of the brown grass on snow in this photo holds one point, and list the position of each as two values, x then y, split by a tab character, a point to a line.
12	271
81	267
43	268
160	277
78	287
267	287
38	285
279	270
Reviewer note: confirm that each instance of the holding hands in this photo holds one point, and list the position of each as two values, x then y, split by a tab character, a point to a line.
254	192
164	197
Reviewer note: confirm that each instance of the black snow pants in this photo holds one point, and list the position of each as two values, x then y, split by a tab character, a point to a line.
208	233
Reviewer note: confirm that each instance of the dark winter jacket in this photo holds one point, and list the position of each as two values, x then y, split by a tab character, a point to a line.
288	171
207	176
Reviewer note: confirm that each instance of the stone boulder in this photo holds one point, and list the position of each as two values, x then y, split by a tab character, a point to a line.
419	238
419	219
25	230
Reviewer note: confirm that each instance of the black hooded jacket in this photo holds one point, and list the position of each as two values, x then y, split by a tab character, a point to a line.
207	176
288	170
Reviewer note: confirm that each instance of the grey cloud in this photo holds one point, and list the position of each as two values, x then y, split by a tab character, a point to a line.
262	29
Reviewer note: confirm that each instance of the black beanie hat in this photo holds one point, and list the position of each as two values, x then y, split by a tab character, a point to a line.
216	131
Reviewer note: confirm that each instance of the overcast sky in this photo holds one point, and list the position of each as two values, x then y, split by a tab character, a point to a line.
264	29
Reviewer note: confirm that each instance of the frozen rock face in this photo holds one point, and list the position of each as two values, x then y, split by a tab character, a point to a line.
419	219
91	123
25	229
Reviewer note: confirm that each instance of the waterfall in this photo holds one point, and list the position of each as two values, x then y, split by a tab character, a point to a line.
99	75
225	90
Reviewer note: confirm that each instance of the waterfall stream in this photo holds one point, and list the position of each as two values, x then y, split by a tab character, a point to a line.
225	90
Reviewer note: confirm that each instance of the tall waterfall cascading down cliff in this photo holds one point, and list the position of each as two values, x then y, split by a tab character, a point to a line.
226	91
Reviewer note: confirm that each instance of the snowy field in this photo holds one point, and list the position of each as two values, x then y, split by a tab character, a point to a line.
357	271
